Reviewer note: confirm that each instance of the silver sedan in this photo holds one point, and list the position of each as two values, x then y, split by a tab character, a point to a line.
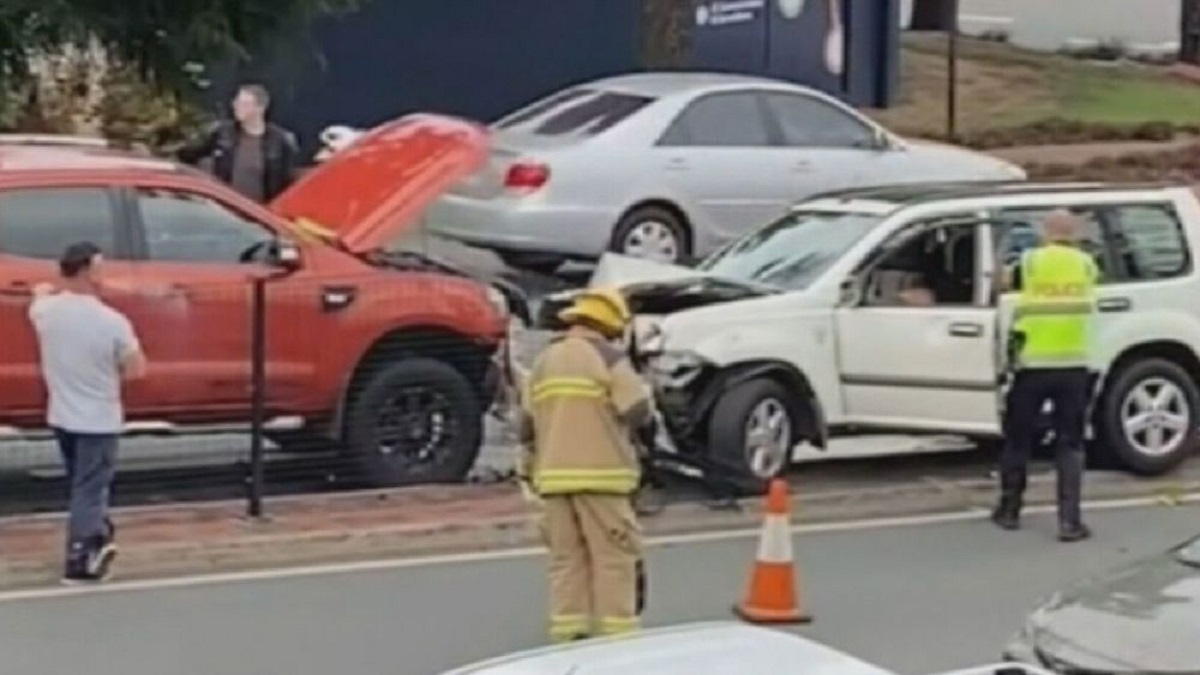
671	166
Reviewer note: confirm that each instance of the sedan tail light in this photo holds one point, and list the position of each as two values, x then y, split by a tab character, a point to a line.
526	177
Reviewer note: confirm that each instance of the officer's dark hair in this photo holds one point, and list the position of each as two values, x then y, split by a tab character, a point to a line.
77	259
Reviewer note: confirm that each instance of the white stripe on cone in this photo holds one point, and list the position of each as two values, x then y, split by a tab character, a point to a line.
775	546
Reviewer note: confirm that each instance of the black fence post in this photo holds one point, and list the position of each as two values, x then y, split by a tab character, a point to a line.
258	385
952	35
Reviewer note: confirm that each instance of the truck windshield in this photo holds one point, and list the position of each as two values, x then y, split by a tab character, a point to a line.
792	252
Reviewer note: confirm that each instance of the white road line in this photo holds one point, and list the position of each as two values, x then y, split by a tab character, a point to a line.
528	552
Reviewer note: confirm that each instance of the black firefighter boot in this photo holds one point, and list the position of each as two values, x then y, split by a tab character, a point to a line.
1007	514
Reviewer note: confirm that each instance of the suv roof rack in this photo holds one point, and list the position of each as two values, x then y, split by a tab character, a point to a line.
66	140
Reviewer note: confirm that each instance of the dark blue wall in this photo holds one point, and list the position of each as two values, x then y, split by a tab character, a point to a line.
756	36
483	58
477	58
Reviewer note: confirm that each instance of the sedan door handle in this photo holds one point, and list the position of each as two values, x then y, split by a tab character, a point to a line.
677	164
802	166
1115	305
966	329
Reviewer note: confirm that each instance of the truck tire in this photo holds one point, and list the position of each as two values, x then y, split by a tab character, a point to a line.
416	421
1166	398
759	408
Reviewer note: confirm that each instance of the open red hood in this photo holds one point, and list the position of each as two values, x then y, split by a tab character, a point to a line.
368	193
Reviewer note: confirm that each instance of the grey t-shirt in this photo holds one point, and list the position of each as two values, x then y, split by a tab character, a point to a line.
82	343
249	166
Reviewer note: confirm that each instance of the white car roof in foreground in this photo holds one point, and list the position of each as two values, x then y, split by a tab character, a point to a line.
724	648
716	648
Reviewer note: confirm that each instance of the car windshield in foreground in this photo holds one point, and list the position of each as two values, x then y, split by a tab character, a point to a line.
792	252
1189	553
583	112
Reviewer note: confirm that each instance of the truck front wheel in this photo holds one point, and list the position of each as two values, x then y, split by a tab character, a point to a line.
751	433
415	421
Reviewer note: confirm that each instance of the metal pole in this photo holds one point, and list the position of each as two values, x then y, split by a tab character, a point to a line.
258	385
952	71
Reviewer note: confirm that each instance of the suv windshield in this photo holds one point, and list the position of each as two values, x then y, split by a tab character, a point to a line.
792	252
584	112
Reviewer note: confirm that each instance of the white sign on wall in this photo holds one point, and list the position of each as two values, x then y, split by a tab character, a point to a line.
728	12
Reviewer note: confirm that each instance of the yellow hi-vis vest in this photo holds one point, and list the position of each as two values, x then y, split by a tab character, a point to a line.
577	392
1054	309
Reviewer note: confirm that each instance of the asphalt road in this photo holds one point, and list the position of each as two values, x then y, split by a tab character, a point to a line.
916	598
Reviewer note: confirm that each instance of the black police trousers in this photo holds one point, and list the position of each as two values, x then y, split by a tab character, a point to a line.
1068	389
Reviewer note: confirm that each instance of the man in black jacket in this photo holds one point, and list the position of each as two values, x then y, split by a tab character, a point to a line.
254	156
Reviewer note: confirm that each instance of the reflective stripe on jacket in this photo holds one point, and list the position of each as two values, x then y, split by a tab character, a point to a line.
577	398
1054	309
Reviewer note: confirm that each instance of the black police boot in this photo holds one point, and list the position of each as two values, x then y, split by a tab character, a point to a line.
1070	518
1073	532
1007	514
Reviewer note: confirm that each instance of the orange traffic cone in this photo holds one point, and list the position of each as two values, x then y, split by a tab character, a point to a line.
772	596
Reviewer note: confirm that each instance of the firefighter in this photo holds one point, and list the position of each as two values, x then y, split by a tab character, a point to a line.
1051	331
581	406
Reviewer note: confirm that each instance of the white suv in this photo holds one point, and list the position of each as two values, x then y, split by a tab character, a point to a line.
880	310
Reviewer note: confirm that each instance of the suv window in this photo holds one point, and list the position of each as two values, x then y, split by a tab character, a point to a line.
806	122
1130	242
186	227
1023	231
577	111
1148	240
41	222
720	120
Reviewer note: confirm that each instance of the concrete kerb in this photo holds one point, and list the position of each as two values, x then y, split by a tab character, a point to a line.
261	549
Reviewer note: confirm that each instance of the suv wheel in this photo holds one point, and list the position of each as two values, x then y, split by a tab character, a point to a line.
751	433
416	421
1147	417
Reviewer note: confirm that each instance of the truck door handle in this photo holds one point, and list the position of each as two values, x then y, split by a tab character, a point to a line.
966	329
17	289
802	166
1115	305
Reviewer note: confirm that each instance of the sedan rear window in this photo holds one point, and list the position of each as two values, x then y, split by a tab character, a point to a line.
585	112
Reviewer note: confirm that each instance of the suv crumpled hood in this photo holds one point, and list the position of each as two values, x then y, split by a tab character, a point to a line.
1140	619
371	191
651	288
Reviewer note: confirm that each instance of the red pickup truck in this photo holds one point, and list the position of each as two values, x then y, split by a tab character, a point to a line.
386	354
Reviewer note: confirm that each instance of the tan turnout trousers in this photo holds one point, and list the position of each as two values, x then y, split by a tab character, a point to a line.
594	544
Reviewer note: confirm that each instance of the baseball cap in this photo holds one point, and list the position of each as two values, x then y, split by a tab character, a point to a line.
77	257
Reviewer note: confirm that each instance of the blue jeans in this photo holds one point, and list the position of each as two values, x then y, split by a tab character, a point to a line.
90	461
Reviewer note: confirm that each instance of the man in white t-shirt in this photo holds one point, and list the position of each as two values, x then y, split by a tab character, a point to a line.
87	348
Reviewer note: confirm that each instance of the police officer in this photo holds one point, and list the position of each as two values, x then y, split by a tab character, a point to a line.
1051	331
582	404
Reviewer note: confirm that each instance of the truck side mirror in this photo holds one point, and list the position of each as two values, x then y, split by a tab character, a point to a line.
285	254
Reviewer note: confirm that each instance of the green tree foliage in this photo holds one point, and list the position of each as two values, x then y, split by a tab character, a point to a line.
159	38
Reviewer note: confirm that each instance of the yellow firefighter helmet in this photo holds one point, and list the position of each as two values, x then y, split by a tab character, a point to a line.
603	308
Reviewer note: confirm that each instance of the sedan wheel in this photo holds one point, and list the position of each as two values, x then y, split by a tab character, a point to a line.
652	233
651	240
